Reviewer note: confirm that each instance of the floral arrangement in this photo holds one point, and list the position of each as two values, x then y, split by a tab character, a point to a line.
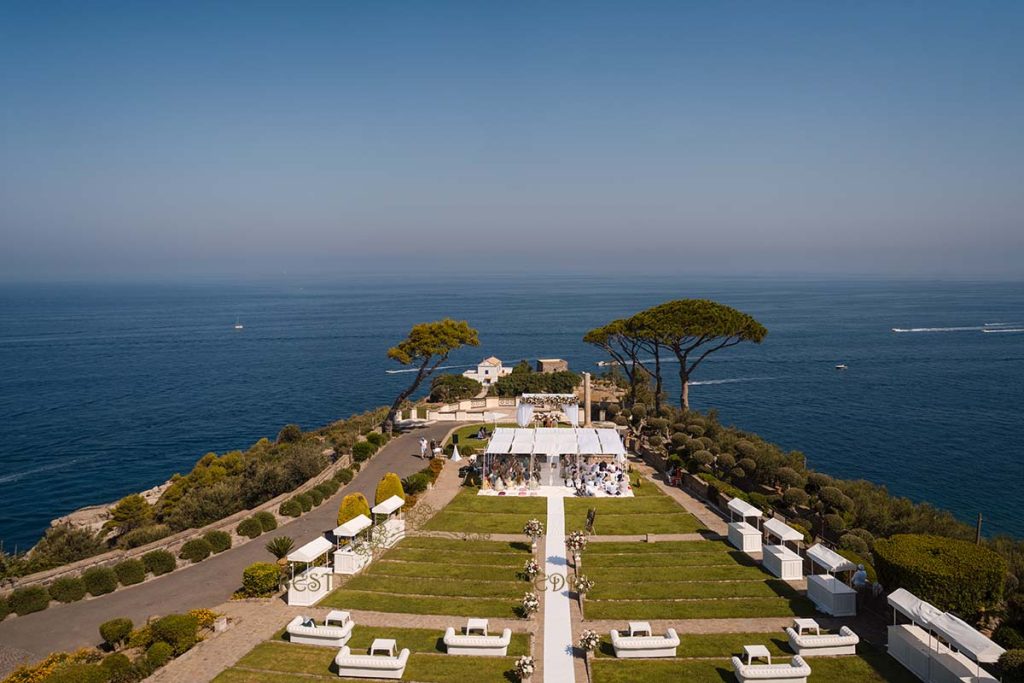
531	569
549	399
204	617
530	604
534	528
583	584
576	542
525	667
589	640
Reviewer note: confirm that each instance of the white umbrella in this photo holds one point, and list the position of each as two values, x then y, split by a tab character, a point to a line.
455	454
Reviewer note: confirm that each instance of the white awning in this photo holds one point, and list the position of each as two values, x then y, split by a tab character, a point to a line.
744	509
912	607
588	441
965	638
311	551
611	442
522	441
353	526
501	442
782	530
829	559
546	441
388	506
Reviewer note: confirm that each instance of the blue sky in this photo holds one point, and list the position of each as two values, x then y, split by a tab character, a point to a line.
145	138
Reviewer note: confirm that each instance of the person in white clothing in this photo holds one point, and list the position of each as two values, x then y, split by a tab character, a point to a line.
423	448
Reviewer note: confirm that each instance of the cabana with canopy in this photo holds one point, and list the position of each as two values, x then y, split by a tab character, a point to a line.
779	559
744	536
350	557
829	594
938	646
313	582
542	456
390	525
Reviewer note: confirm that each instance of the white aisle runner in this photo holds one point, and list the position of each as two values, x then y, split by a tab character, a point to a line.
558	660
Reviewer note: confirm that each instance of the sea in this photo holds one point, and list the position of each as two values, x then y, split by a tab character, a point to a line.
107	389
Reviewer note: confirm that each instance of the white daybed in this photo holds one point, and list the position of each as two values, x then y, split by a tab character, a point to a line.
808	645
744	536
829	594
327	634
796	671
371	666
779	559
487	646
627	647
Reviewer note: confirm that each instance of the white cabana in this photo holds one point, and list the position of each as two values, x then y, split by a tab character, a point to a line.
353	526
966	638
392	504
912	607
782	531
313	583
829	594
829	560
311	551
744	536
778	559
350	557
743	509
392	529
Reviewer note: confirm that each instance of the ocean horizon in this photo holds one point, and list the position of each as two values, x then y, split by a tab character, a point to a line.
111	388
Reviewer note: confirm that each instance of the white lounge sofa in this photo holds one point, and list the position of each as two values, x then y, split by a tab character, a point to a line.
645	646
487	646
371	666
817	646
327	636
796	671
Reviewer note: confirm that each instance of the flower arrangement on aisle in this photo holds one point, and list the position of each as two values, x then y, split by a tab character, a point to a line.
530	605
533	529
575	543
531	569
589	640
582	585
525	667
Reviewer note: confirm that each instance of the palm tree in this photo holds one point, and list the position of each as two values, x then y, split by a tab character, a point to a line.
279	547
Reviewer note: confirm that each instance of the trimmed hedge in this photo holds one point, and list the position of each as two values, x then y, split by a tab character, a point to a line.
344	476
1009	636
328	487
219	540
1011	666
119	669
390	485
268	522
159	562
953	575
249	527
290	508
260	579
196	550
315	496
180	631
362	451
305	501
130	572
29	599
99	580
66	589
116	632
158	654
78	673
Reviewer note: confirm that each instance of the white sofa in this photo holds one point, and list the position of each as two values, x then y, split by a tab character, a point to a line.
327	636
796	671
645	646
488	646
371	666
816	646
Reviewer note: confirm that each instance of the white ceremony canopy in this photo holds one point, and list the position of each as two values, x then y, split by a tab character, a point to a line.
353	526
744	509
555	441
782	531
829	560
311	551
388	506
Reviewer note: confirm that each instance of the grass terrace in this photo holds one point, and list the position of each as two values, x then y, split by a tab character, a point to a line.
472	513
649	511
439	576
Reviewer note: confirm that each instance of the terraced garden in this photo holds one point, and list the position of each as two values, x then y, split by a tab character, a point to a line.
472	513
649	511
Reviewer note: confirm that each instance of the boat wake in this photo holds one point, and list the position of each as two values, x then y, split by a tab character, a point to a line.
733	380
1004	329
987	327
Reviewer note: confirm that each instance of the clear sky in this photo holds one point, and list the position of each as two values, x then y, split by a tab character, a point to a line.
170	138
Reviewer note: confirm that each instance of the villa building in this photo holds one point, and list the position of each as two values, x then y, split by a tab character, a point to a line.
489	371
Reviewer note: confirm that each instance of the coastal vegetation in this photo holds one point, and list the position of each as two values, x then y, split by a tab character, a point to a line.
523	380
451	388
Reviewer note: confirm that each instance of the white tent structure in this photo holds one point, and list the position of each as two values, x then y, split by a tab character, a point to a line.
779	559
829	594
390	529
919	645
349	559
543	450
742	535
313	582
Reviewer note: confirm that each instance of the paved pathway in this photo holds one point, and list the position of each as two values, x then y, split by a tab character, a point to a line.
558	653
66	627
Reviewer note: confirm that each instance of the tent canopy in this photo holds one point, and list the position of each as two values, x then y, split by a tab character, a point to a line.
311	551
829	559
744	509
965	638
555	441
912	607
353	526
782	530
388	506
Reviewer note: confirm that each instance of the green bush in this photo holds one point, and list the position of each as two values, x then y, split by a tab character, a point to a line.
249	527
377	439
451	388
130	572
416	484
852	542
267	520
1010	637
196	550
119	669
327	488
116	632
795	497
305	501
158	654
66	589
78	673
5	607
315	496
362	451
290	434
143	536
344	476
953	575
99	580
159	562
180	631
1011	666
260	580
290	508
835	524
219	540
29	599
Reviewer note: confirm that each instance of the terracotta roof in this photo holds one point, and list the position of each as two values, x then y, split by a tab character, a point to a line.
491	361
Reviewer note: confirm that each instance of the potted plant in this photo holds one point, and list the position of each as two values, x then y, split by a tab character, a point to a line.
525	667
534	529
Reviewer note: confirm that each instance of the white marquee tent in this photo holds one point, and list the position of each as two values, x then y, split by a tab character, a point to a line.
550	444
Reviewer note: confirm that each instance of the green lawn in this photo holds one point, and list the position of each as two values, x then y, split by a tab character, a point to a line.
413	604
716	645
690	590
472	513
740	608
649	511
467	435
416	639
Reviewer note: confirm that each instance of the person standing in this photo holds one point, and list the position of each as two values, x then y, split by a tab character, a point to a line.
423	448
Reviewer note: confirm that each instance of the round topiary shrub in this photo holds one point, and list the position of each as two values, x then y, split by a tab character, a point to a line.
353	505
328	487
953	575
315	496
344	476
703	458
267	520
795	497
180	631
67	589
1011	666
390	485
219	540
78	673
835	524
158	654
260	580
854	543
377	439
362	451
249	527
144	535
130	572
99	580
290	508
119	669
305	501
159	562
196	550
656	440
116	632
29	599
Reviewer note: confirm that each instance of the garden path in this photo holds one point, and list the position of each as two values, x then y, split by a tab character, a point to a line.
558	645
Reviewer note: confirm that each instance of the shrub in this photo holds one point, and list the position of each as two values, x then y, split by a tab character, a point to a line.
389	485
141	638
416	483
703	458
290	508
180	631
795	497
131	512
260	580
130	572
219	540
725	461
159	654
29	599
695	430
65	589
788	477
249	527
377	439
835	499
1010	637
344	476
99	580
433	470
116	632
290	433
195	550
834	523
353	505
362	451
659	424
953	575
817	481
143	536
854	543
1011	666
78	673
159	562
204	617
679	440
450	388
5	607
119	669
315	496
266	520
758	500
655	440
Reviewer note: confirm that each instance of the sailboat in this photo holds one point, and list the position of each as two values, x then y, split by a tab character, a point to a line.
238	325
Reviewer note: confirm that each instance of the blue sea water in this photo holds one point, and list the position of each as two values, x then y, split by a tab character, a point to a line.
108	389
